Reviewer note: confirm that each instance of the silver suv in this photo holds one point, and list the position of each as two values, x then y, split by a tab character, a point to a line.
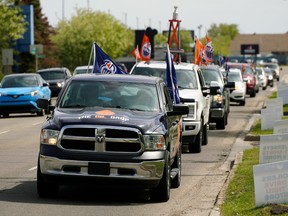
193	92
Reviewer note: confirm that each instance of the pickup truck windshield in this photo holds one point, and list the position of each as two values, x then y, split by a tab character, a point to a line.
185	78
139	97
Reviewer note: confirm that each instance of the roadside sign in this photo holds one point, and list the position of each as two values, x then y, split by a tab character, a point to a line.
7	56
36	49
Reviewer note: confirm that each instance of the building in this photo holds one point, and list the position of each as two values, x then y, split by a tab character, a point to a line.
275	45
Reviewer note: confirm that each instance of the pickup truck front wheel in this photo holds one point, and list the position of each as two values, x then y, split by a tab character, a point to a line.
45	189
176	181
162	192
197	145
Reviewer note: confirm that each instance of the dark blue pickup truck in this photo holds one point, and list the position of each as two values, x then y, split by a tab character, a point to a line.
112	129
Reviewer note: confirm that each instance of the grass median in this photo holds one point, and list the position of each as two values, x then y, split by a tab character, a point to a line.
239	197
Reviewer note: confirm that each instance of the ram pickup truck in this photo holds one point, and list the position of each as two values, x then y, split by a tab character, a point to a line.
112	129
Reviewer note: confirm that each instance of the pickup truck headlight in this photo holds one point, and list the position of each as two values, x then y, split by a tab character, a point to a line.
154	142
49	137
217	99
60	84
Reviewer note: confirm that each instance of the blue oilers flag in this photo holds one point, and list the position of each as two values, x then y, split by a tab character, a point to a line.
103	63
171	79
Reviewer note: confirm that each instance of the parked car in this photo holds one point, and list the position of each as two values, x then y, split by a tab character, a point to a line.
239	93
82	70
100	131
19	93
262	77
275	68
249	76
193	91
270	76
56	77
220	103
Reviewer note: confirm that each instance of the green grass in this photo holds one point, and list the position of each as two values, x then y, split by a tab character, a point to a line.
239	197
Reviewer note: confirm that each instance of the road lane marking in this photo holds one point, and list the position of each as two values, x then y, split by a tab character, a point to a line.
37	123
4	132
33	168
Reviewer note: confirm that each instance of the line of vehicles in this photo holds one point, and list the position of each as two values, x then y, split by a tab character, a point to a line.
124	128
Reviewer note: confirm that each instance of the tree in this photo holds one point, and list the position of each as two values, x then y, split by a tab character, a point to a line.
221	36
12	24
75	37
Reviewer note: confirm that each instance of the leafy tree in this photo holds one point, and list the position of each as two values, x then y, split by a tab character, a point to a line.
12	24
75	37
221	36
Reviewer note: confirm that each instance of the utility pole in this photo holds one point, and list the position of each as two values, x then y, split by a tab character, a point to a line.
199	27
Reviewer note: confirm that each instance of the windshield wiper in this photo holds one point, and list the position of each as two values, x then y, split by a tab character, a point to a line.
75	106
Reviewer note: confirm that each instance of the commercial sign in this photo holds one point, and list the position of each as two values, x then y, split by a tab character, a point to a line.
249	49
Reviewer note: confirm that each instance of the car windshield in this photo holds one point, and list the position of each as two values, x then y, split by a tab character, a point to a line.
185	78
19	81
259	71
211	75
234	77
52	75
83	71
82	94
271	66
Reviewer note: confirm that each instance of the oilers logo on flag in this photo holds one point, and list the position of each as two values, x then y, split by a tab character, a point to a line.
208	52
108	67
146	50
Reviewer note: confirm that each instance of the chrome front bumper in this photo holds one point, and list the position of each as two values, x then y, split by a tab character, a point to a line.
148	170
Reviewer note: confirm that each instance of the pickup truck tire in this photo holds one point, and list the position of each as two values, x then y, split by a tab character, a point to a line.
162	192
205	134
196	146
253	93
44	189
220	124
176	181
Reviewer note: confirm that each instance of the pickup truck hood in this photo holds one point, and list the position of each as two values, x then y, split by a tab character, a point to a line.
147	122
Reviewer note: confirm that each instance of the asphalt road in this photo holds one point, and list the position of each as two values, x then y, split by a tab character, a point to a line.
203	175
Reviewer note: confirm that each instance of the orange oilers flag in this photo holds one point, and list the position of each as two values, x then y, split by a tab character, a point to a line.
145	51
208	51
136	53
198	52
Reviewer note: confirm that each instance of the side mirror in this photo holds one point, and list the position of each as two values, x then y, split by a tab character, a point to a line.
44	104
45	84
187	100
179	109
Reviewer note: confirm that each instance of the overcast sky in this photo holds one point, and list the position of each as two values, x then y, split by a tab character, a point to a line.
251	16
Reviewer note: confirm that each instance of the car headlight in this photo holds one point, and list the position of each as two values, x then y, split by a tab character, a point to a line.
154	142
2	94
60	84
217	99
49	137
35	93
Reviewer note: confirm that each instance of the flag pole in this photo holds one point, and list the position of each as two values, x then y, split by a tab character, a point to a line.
90	56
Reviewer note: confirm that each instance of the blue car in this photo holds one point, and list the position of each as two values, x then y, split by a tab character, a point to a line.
19	93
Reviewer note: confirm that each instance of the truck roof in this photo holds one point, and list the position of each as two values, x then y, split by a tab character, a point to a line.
162	64
118	77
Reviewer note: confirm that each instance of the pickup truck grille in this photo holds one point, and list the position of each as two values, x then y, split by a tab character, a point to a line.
100	139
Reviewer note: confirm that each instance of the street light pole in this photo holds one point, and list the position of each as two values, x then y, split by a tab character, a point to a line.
63	6
199	27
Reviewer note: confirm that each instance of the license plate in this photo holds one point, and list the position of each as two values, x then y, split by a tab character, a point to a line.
99	168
